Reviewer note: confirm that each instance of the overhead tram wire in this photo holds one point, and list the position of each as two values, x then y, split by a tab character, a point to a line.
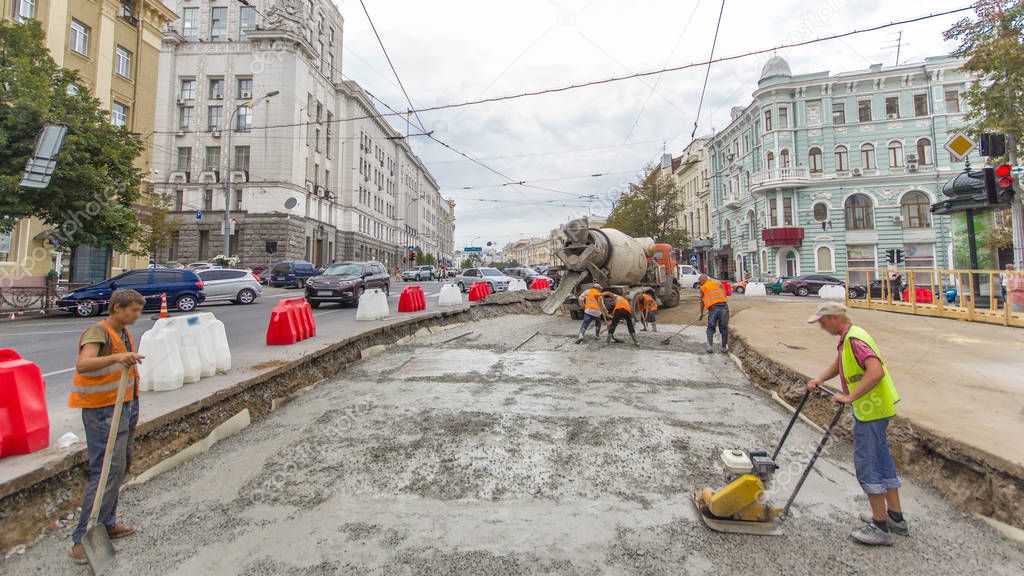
707	73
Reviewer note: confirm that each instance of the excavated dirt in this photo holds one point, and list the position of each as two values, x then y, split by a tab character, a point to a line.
510	450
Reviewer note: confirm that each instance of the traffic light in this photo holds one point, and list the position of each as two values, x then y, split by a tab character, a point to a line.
899	255
890	256
1004	183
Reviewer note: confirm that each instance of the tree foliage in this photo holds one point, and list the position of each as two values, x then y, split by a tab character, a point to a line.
158	227
92	196
651	208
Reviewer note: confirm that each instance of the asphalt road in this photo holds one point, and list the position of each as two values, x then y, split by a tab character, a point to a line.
51	342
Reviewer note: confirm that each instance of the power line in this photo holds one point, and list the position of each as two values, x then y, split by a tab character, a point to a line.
392	65
707	74
633	76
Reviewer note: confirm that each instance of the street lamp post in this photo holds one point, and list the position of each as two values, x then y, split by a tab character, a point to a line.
227	179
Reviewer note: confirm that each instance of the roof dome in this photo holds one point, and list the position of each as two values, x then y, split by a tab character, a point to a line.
776	66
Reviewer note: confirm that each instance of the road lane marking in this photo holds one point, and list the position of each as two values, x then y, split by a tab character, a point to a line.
57	372
12	335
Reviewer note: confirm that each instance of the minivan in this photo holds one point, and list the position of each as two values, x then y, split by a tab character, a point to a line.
291	273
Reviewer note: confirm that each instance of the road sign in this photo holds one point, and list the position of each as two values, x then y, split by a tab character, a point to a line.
693	258
473	249
199	214
959	145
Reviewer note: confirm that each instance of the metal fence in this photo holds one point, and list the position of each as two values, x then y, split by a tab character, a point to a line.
990	296
27	299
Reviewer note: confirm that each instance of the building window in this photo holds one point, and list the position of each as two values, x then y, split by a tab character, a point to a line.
952	101
783	117
823	257
915	208
838	113
25	9
920	256
185	115
820	212
79	38
784	159
814	160
842	159
751	225
243	117
246	20
118	114
867	156
245	88
330	65
769	161
218	23
864	110
814	112
123	62
184	159
859	213
188	89
212	158
215	115
787	211
895	154
190	23
767	120
216	88
892	107
924	151
920	104
207	205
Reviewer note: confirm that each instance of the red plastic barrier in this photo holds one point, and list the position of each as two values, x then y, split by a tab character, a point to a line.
412	299
24	423
540	284
922	295
728	288
479	291
309	315
419	298
283	328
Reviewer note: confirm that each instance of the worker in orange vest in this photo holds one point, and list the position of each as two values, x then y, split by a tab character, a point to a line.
621	312
714	301
105	349
593	310
647	309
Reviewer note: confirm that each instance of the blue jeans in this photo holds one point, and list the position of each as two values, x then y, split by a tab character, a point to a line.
718	316
97	426
876	471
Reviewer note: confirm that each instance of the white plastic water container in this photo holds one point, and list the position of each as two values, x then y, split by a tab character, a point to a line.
832	293
161	369
755	289
373	305
219	336
516	285
452	296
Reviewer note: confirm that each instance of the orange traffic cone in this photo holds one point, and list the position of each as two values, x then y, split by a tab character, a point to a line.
163	305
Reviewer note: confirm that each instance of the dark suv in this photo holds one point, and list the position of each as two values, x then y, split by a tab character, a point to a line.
809	284
291	273
183	288
344	283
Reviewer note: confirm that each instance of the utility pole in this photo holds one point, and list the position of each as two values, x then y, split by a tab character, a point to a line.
1017	208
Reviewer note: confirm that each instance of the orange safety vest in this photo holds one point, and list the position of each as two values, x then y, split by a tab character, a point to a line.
650	304
99	388
622	304
711	293
591	299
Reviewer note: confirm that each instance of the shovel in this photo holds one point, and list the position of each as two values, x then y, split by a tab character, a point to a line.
98	549
669	339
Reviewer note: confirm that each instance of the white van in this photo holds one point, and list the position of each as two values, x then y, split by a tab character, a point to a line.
688	276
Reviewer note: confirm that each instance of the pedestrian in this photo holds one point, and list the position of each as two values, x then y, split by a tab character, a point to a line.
1003	279
593	310
621	312
105	349
868	387
714	301
648	310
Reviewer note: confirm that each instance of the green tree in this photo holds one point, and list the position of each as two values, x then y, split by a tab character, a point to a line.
425	259
650	208
92	196
158	227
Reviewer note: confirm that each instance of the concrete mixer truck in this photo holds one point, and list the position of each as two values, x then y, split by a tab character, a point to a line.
620	263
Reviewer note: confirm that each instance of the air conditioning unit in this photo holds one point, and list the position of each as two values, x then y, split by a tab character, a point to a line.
897	219
857	172
181	133
911	166
181	101
246	95
218	96
911	158
215	133
892	116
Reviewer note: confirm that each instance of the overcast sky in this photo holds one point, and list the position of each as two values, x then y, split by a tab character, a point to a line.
457	50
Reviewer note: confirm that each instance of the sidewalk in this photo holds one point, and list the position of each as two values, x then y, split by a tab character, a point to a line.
958	380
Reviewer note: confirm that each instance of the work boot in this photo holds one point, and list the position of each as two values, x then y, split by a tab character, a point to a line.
579	339
635	341
78	555
643	328
894	526
654	327
116	531
711	345
612	338
725	348
872	535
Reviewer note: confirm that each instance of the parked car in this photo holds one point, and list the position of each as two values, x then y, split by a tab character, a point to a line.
542	269
808	284
291	273
201	266
499	282
419	274
183	288
235	286
688	276
344	283
527	275
895	290
772	284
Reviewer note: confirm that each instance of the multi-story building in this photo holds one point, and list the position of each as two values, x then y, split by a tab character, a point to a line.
252	99
824	172
528	251
692	178
114	45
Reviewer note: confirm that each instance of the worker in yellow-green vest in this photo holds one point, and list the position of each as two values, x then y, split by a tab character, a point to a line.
868	387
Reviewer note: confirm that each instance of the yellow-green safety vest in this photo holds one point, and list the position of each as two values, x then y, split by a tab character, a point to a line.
881	401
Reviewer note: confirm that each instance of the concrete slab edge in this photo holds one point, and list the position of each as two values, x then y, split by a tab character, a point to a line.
31	502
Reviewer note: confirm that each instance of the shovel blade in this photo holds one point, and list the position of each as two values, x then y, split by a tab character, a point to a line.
98	549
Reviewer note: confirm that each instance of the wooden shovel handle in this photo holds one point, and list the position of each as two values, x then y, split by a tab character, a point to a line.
108	453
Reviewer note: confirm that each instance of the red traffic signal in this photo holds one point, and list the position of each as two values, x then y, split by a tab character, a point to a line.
1005	181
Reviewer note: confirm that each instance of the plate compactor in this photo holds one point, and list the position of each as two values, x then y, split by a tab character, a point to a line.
742	506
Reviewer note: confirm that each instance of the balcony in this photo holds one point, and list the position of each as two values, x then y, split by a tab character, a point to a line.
790	177
782	236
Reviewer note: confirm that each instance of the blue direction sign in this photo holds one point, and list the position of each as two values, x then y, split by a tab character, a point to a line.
693	258
473	249
199	214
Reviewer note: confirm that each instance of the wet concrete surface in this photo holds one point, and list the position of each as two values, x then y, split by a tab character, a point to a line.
444	456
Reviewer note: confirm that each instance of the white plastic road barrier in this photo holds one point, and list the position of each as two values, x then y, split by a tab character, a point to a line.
162	369
516	285
832	293
452	296
373	305
755	289
221	349
204	342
